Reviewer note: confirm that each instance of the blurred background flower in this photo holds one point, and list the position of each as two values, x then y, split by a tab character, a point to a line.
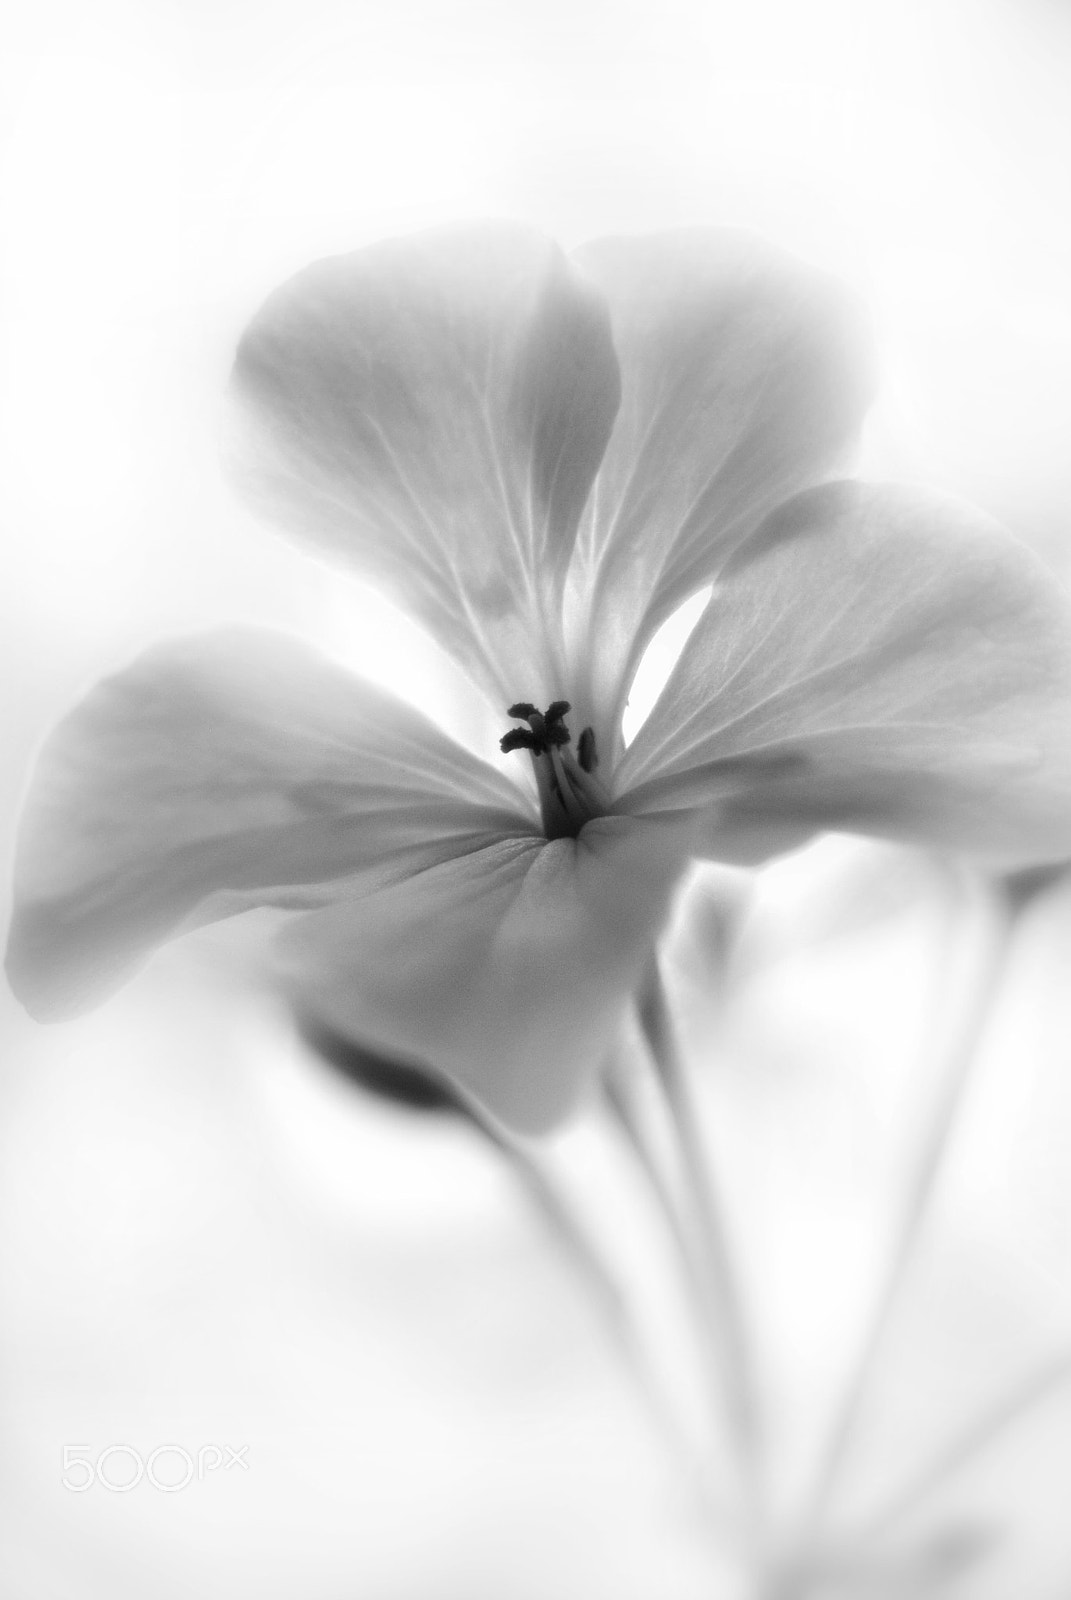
206	1237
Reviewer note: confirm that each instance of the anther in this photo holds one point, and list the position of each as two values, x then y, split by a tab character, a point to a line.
585	750
517	739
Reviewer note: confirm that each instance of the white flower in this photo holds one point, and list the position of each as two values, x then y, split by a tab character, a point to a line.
541	459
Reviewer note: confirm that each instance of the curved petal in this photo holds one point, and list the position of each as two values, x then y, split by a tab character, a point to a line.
745	376
507	970
216	774
432	411
877	659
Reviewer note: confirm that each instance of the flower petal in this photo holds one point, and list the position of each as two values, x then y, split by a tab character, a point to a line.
506	969
219	773
745	376
876	659
432	411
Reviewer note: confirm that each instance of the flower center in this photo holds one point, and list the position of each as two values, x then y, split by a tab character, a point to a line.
569	792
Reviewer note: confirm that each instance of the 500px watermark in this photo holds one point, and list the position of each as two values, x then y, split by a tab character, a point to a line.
169	1468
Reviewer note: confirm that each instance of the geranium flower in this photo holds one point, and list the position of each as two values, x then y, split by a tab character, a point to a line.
541	458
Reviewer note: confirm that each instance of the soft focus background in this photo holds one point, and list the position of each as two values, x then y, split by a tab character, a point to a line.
206	1239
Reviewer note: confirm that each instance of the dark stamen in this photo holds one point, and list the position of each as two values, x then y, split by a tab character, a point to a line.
547	728
569	796
518	739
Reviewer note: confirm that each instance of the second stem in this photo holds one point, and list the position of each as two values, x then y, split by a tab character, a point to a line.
726	1322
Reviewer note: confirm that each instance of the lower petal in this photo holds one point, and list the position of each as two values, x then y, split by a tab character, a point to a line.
507	969
216	774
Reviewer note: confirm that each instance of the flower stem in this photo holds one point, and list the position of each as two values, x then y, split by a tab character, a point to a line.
627	1118
625	1115
564	1224
722	1303
996	931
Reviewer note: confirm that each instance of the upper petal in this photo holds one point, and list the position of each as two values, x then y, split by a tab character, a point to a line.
219	773
507	969
432	412
745	376
877	659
